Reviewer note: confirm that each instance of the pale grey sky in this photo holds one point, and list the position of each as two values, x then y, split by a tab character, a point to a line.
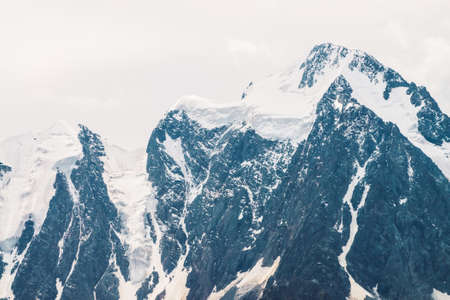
117	66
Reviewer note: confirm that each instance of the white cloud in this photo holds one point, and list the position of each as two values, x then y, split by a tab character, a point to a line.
247	47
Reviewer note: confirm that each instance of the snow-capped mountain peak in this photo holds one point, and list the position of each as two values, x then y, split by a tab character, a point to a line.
327	180
283	105
34	159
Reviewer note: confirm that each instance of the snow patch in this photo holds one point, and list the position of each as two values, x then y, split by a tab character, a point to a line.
356	291
175	151
246	281
265	122
59	289
437	295
130	191
410	169
209	113
7	278
134	197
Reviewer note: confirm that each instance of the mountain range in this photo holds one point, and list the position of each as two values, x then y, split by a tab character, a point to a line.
329	180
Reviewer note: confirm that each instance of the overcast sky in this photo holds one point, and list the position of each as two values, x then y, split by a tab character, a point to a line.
117	66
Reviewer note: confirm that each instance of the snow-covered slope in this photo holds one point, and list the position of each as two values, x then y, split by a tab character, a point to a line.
34	159
132	194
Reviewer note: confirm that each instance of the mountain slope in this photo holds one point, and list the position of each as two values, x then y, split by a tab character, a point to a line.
327	181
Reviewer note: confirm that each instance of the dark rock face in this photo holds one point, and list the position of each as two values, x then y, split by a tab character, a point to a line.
2	265
25	237
4	169
433	124
393	80
249	86
234	171
309	267
37	274
367	65
147	286
169	178
93	270
225	220
262	199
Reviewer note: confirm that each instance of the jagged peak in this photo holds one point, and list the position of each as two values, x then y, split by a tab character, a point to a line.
332	52
341	85
327	50
91	142
337	97
327	56
322	65
314	74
